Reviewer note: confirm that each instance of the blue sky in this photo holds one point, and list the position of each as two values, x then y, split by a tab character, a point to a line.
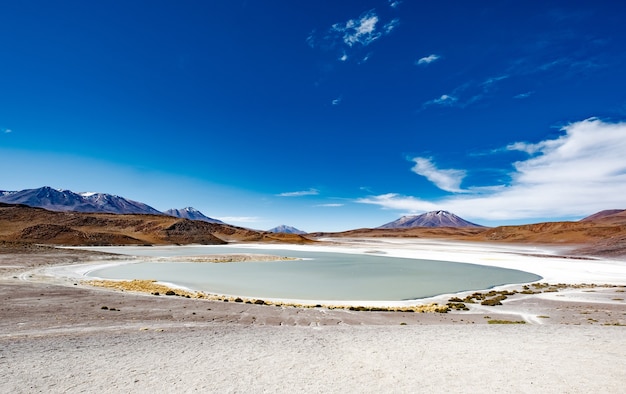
322	115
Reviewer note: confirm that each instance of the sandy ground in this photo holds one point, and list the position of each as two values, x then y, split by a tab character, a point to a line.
57	336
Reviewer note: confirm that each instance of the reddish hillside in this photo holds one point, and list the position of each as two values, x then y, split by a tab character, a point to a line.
598	237
552	232
610	216
27	224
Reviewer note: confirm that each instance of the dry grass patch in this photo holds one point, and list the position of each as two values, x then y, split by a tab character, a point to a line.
144	286
495	321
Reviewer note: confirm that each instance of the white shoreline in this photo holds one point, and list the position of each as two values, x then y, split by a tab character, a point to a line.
151	343
542	261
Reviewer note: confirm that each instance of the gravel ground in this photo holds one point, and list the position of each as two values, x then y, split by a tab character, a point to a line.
59	337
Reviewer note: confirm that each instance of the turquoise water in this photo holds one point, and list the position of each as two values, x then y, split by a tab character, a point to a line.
320	276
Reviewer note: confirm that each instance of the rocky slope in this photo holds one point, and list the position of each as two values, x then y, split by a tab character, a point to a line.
36	225
191	214
66	200
286	230
430	219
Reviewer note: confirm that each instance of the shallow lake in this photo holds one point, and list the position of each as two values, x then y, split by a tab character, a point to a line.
323	276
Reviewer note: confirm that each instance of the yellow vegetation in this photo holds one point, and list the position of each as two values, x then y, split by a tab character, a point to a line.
155	288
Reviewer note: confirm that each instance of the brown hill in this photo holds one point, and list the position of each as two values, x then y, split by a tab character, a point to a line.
603	236
610	216
414	232
37	225
552	233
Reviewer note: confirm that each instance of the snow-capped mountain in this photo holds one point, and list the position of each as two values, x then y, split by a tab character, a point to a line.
191	213
286	229
430	219
67	200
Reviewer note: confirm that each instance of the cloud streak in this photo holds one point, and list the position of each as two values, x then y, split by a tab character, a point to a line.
427	60
448	180
581	172
444	100
523	95
310	192
467	93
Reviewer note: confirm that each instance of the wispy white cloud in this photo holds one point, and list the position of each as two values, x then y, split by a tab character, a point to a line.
359	31
389	27
428	59
336	101
448	180
444	100
7	131
401	203
553	54
311	39
353	35
467	93
487	83
310	192
523	95
531	149
394	3
330	205
581	172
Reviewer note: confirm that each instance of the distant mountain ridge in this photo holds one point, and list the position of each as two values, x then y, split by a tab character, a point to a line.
430	219
89	202
20	223
603	214
190	213
286	230
67	200
609	216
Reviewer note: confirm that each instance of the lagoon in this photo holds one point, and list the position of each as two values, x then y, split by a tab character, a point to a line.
317	275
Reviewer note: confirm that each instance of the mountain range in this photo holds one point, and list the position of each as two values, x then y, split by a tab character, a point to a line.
23	224
600	234
69	201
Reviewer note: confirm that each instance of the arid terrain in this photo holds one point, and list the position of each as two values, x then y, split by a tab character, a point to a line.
36	225
61	335
602	234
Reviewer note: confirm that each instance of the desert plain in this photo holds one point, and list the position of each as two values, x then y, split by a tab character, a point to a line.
563	334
